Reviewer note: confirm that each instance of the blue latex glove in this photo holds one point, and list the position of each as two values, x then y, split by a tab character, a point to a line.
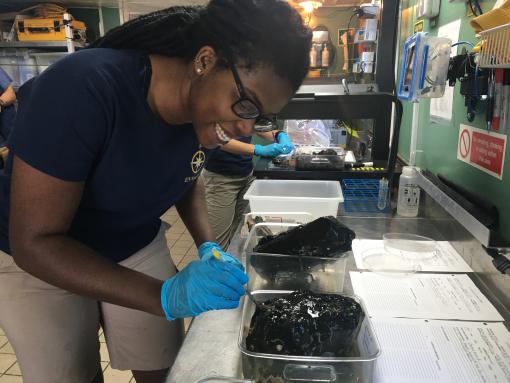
202	286
205	253
271	150
285	141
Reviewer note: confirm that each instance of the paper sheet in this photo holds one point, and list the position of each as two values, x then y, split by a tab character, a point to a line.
419	351
442	108
447	259
427	296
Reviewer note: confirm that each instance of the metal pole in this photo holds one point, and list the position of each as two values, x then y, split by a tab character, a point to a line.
69	32
414	133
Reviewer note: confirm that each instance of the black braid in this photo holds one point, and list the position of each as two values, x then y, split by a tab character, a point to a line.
249	32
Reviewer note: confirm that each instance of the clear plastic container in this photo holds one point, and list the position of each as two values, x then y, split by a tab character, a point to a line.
319	198
291	272
251	219
379	261
358	368
415	248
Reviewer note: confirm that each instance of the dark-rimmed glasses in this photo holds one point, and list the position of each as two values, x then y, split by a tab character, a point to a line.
247	109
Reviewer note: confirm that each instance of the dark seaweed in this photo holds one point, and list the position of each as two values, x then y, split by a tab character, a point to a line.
324	237
305	324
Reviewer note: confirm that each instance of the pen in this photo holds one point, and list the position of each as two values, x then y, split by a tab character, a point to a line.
505	103
498	100
490	102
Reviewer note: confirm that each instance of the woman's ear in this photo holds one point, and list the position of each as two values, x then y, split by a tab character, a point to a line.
205	60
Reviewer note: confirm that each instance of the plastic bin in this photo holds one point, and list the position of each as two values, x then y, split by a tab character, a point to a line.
291	272
251	219
319	198
358	368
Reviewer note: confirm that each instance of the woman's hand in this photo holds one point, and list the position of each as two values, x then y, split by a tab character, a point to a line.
202	286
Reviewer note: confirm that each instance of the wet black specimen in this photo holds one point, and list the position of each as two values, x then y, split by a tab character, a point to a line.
327	159
324	237
327	152
305	324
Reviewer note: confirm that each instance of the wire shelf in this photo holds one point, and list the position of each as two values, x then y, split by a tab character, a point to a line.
495	51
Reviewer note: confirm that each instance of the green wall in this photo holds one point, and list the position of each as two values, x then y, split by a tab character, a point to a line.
110	18
438	141
90	16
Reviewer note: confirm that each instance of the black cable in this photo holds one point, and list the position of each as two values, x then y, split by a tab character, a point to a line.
355	13
478	7
392	158
500	262
470	3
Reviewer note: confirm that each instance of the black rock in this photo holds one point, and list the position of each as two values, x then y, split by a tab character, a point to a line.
324	237
305	324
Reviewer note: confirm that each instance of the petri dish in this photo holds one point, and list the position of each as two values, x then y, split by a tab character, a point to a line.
379	261
410	246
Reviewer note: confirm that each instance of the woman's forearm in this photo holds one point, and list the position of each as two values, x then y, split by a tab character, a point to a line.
70	265
8	97
238	147
192	209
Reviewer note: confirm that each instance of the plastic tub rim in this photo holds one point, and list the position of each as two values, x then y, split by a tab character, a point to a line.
311	359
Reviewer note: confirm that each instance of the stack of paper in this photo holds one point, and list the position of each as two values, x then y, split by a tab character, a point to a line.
451	342
422	351
427	296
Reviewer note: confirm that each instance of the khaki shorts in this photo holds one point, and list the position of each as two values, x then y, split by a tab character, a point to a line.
225	203
54	333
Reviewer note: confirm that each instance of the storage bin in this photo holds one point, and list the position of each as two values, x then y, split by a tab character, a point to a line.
251	219
291	272
358	368
319	198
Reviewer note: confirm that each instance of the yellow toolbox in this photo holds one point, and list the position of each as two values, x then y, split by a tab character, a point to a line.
48	30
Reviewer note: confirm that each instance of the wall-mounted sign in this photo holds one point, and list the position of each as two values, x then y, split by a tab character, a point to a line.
418	26
483	150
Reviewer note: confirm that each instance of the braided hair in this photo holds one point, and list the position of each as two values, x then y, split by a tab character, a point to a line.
250	33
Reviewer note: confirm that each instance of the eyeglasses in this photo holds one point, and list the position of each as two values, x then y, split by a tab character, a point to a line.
247	109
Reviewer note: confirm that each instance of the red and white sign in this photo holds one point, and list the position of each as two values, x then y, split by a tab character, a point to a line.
483	150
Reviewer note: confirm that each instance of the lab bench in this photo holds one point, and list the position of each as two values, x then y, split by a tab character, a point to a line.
210	347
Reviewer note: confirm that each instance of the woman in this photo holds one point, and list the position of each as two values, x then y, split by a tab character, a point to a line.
227	176
7	112
105	141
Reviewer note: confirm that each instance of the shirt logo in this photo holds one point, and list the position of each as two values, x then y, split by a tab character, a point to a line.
197	161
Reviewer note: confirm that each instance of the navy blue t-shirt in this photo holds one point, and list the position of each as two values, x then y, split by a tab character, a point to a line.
229	164
86	118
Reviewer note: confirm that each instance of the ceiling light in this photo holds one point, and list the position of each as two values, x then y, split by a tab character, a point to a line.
310	5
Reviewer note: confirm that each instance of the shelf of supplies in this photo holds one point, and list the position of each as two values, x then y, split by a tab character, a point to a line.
39	44
495	51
